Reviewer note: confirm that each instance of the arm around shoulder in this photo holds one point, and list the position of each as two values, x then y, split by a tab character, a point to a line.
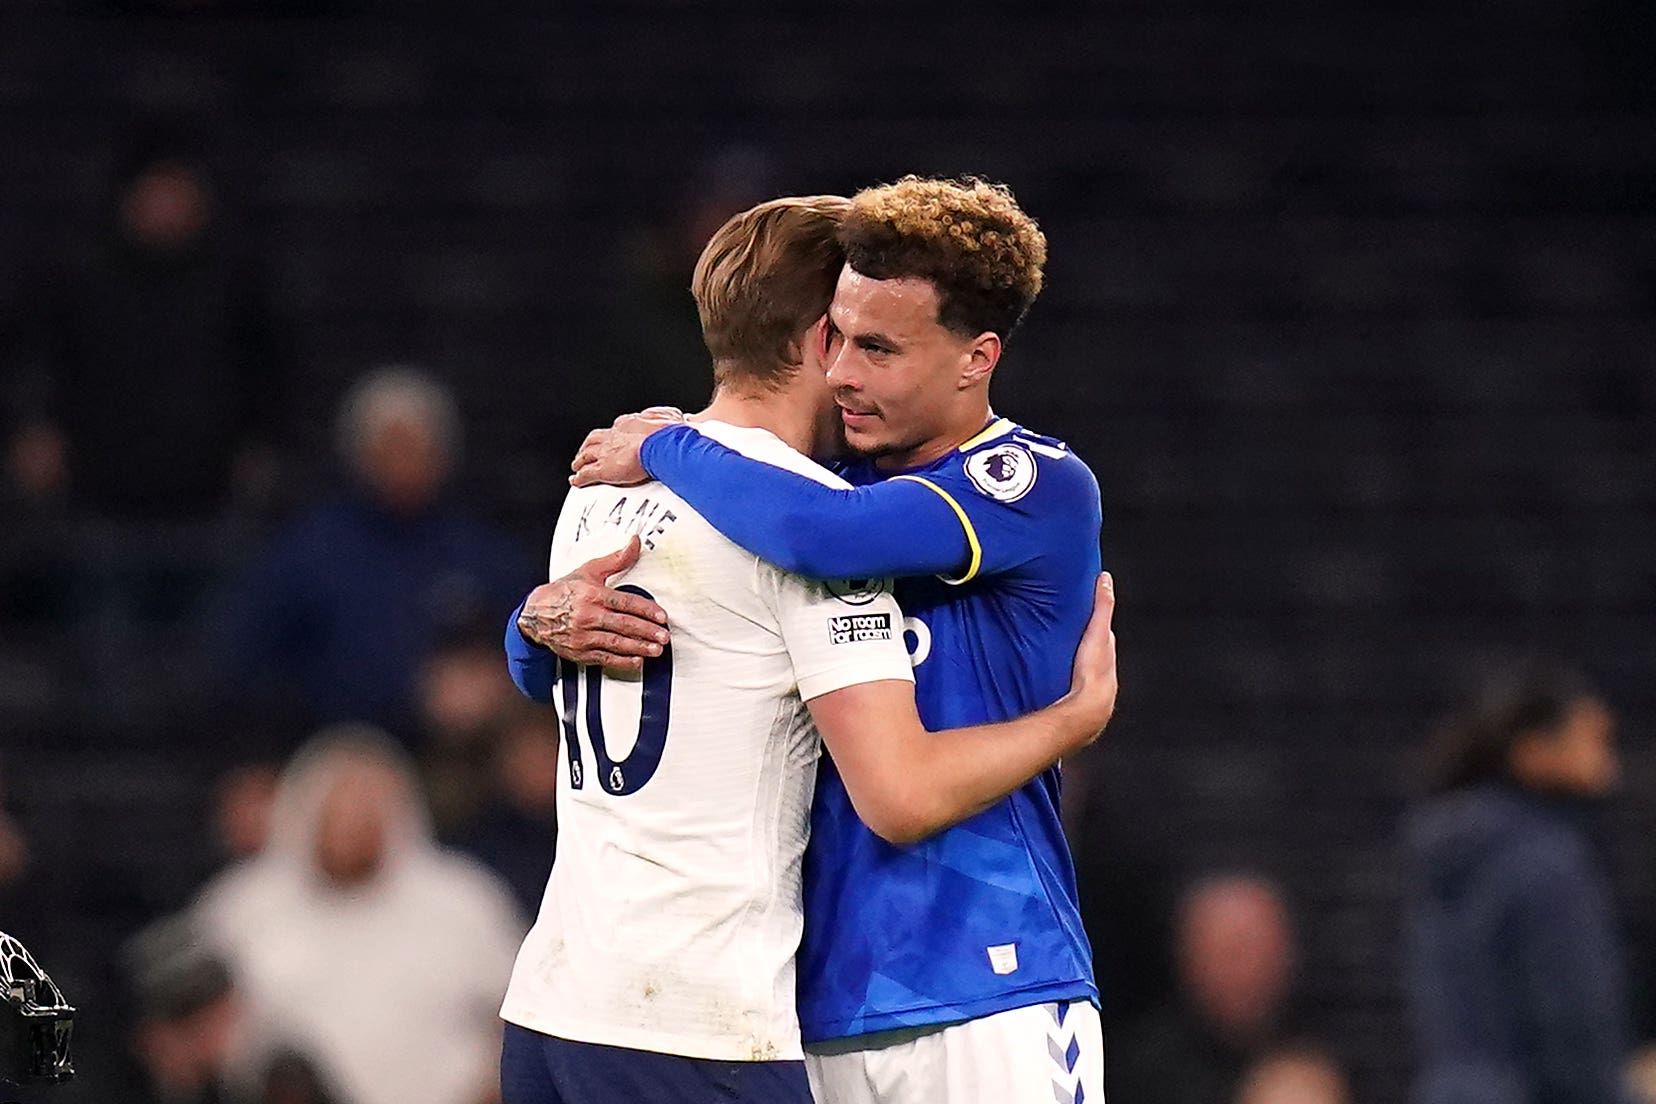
907	783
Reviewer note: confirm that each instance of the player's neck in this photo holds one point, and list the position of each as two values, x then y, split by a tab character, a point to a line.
956	433
783	413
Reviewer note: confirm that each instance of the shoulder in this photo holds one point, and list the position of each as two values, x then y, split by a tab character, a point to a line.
1014	465
468	890
1542	850
242	900
766	447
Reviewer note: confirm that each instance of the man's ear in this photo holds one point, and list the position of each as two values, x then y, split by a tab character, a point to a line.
821	338
815	343
981	358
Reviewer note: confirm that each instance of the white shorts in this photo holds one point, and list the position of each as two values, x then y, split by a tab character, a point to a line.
1043	1054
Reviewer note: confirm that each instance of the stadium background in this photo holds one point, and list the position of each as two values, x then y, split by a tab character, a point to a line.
1352	308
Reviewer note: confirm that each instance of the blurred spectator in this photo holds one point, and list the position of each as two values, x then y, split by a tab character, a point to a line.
157	364
21	910
377	956
1641	1075
1515	974
1234	951
14	848
465	697
350	600
516	831
1295	1074
242	803
464	690
192	1038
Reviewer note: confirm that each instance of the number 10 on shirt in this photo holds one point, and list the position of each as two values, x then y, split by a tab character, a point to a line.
629	774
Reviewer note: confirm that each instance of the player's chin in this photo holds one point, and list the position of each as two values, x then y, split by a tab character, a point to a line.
865	443
862	431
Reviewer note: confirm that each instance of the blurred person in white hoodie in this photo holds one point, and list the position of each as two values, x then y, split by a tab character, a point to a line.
359	942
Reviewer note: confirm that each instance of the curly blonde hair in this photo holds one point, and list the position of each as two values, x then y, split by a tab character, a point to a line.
968	237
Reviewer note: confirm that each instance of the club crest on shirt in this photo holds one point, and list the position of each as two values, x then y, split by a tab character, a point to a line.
856	592
1005	473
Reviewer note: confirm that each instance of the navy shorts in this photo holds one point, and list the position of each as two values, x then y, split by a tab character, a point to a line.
543	1069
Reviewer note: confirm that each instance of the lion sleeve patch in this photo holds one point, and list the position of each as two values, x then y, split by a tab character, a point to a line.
1005	473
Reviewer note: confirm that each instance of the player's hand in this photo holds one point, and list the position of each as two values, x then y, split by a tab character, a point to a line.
613	455
581	619
1093	682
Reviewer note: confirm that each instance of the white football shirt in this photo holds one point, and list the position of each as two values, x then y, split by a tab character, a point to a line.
673	912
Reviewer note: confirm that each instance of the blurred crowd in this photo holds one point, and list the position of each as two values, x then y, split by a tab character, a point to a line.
383	827
370	886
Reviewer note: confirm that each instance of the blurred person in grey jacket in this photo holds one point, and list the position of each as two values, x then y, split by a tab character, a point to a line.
359	944
1515	976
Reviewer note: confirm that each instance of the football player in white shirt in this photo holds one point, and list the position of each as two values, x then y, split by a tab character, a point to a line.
661	967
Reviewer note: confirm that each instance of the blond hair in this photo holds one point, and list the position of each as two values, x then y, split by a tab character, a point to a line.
968	237
766	275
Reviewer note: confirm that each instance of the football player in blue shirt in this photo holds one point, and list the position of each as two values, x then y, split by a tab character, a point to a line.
954	970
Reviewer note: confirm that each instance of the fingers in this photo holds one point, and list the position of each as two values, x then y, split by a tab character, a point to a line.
634	605
1094	677
614	651
649	421
593	617
1103	614
621	624
616	644
616	664
591	446
600	568
609	661
612	456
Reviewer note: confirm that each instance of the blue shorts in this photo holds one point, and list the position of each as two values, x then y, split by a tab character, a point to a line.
543	1069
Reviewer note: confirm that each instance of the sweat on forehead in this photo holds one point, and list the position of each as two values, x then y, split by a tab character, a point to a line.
869	300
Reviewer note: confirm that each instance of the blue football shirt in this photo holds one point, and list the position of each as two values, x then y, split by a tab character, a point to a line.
982	917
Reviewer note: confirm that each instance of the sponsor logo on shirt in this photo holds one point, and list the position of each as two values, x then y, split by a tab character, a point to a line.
859	627
1005	473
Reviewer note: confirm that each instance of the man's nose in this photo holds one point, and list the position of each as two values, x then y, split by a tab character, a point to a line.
840	373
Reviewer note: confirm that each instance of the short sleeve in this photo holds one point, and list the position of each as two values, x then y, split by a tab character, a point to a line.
840	634
1017	500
